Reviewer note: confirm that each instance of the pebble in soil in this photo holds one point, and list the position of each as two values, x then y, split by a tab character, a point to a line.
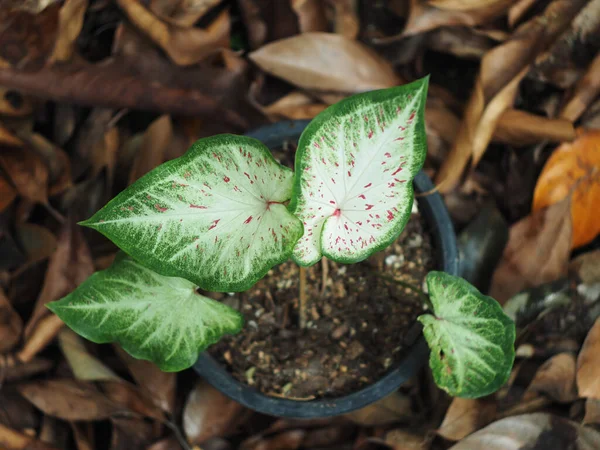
358	324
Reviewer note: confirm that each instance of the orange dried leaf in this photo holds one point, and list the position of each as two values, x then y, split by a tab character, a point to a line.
574	167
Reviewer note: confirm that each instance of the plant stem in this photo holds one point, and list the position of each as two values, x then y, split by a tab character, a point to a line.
302	302
423	295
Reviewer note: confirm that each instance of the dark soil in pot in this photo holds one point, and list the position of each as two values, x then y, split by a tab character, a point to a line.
358	323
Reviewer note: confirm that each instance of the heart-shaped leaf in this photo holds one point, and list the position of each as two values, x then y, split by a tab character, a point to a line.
471	339
153	317
354	169
214	216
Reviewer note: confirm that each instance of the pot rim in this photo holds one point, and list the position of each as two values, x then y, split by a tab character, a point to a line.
440	226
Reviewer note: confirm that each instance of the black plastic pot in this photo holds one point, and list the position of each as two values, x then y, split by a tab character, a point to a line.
434	211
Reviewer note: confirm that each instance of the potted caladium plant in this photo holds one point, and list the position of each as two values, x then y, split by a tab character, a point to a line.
223	215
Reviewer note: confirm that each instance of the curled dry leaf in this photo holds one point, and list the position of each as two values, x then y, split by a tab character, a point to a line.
27	172
37	242
70	21
588	364
574	169
586	267
11	325
131	398
156	140
287	440
326	62
70	266
69	399
185	46
521	128
518	10
502	69
425	15
537	251
585	92
84	366
556	378
15	440
532	431
8	138
346	20
464	416
465	5
160	385
296	106
208	413
311	15
405	440
592	412
183	13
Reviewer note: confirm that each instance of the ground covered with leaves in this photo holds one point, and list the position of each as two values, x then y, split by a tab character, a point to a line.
95	93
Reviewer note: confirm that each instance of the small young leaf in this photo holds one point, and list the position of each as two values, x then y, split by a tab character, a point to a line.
471	339
354	169
214	216
157	318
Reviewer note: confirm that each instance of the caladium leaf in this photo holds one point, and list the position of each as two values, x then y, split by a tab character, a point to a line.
214	216
354	169
153	317
471	338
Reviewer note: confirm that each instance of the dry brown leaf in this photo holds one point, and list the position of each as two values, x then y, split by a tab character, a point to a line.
14	440
521	128
574	169
183	13
465	5
55	158
311	15
160	385
501	71
131	398
11	325
185	46
592	412
404	440
390	409
556	378
586	267
44	332
518	10
7	193
169	443
346	20
288	440
208	413
37	242
424	16
532	431
537	251
70	21
27	39
464	416
70	266
83	435
326	62
27	172
585	92
84	366
8	138
69	399
564	62
588	364
156	140
296	105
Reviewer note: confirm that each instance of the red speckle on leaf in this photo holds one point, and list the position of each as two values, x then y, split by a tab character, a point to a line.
388	154
362	196
332	202
368	207
248	220
198	206
360	224
368	185
160	208
214	224
226	179
316	145
399	169
187	175
349	174
390	216
323	161
333	181
370	135
337	212
412	116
